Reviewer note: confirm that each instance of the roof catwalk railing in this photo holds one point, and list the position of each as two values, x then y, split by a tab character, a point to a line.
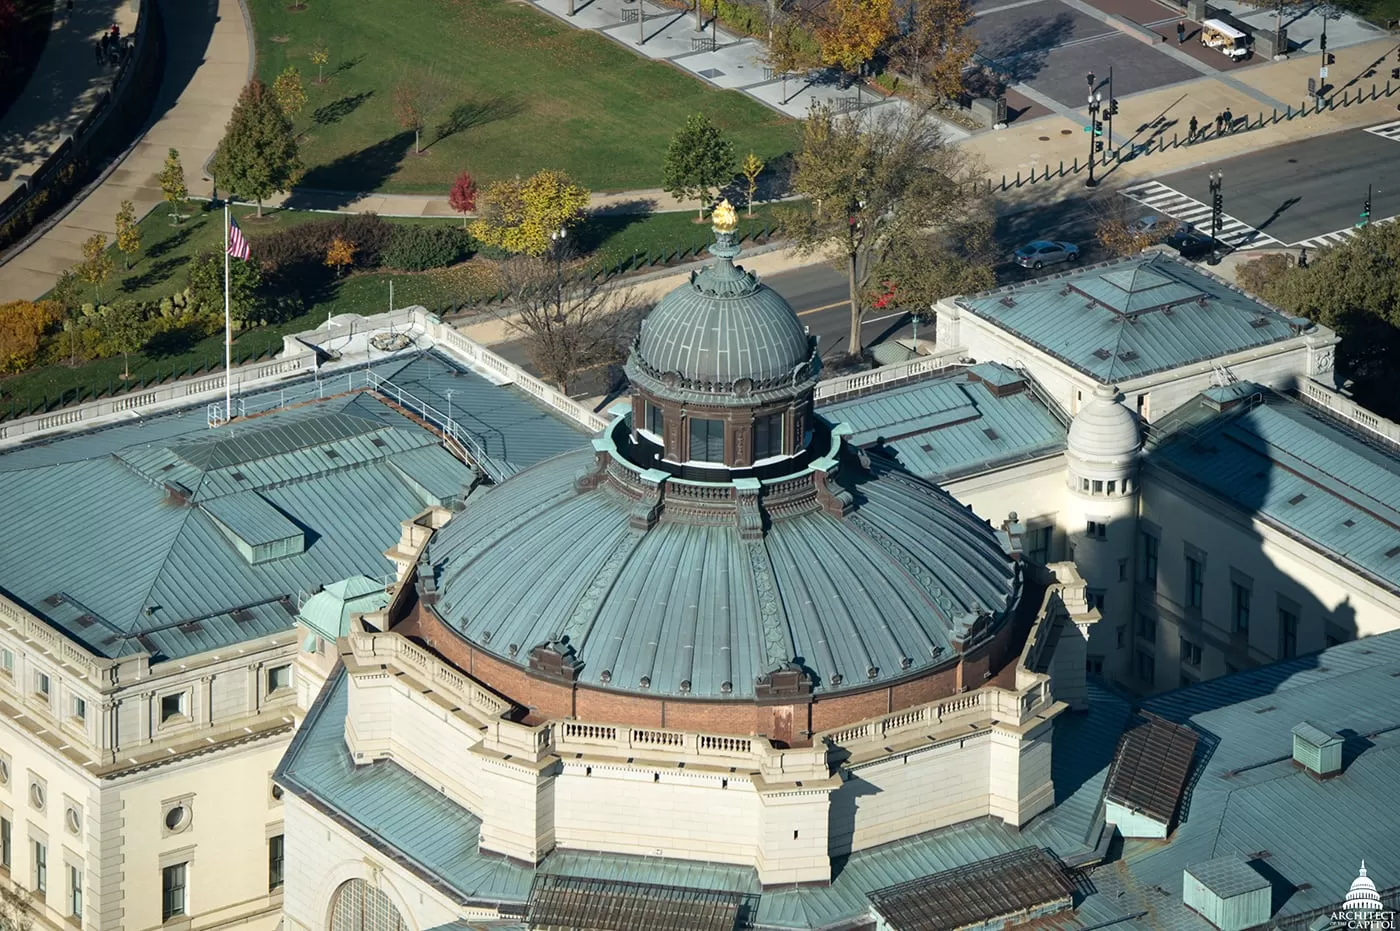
457	438
1345	409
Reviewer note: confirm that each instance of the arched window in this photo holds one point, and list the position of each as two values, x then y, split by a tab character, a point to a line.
358	906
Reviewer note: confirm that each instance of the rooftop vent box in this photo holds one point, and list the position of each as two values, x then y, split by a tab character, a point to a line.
1316	750
1228	893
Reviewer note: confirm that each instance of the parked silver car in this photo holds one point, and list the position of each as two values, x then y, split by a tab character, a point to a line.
1043	252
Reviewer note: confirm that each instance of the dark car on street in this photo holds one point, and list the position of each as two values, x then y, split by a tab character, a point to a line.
1191	244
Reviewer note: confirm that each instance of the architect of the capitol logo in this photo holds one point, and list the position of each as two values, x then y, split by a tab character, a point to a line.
1363	908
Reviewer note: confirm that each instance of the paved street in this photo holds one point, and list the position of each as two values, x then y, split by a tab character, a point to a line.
1306	193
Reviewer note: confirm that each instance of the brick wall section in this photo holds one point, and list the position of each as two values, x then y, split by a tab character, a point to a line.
549	699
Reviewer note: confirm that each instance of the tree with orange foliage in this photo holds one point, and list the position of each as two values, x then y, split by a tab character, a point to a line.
22	328
936	48
339	254
854	31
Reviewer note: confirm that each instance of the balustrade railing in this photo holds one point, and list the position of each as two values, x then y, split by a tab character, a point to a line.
834	389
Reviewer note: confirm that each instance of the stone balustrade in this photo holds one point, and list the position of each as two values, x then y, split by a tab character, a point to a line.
55	645
989	702
395	650
834	389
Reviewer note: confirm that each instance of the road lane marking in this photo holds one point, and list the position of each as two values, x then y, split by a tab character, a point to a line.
1164	199
1389	131
817	310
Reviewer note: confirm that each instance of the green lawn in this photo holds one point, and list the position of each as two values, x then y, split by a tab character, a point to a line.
160	271
523	92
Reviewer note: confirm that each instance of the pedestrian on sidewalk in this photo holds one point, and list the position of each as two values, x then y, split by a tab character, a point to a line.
1181	32
1219	123
1195	129
97	50
1229	120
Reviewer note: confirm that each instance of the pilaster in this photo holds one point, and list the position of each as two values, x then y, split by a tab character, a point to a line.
517	805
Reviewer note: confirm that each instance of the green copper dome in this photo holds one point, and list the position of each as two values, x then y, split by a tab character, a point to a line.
723	327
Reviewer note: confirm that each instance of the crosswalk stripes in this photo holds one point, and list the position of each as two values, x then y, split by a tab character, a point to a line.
1389	131
1337	238
1168	200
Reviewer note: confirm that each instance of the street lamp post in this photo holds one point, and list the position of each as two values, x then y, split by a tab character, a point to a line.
1095	102
1217	210
448	392
557	238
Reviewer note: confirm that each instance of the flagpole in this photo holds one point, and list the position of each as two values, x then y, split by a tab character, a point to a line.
228	331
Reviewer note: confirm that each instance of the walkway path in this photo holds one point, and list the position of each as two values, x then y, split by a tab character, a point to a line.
207	63
210	61
66	84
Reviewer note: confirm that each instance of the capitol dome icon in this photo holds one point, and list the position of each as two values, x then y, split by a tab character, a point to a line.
1363	897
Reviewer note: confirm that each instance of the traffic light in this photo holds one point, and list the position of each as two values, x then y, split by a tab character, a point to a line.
1366	210
1098	127
1331	59
1113	107
1395	74
1098	145
1217	202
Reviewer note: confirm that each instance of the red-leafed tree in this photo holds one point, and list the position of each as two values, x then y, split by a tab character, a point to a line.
462	197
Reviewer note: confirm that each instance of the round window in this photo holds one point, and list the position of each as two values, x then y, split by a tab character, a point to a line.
277	793
176	818
36	795
73	821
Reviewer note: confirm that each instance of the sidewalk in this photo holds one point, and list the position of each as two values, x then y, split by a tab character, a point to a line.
207	64
66	84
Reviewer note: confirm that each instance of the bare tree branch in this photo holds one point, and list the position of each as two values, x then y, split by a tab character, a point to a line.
569	323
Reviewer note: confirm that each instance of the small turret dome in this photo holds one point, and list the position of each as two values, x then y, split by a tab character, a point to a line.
723	327
1104	430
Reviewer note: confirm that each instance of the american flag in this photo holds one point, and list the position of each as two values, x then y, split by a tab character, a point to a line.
237	245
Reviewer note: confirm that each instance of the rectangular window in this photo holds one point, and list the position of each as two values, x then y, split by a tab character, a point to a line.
655	420
278	678
75	891
767	436
1146	671
1098	486
79	708
1288	632
706	440
1038	541
1149	559
7	662
1190	653
1122	635
1083	484
1096	530
1094	666
1095	600
172	891
6	839
1195	582
1147	628
274	862
41	684
1239	608
41	867
1112	487
172	707
1122	570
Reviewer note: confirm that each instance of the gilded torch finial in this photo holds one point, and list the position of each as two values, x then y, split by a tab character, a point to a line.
724	218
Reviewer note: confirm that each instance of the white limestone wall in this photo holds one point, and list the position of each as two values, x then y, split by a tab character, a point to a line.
1106	565
1331	599
387	718
232	814
630	810
63	785
1035	492
1019	770
893	798
321	856
794	837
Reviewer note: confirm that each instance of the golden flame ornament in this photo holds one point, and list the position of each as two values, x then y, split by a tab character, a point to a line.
724	217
